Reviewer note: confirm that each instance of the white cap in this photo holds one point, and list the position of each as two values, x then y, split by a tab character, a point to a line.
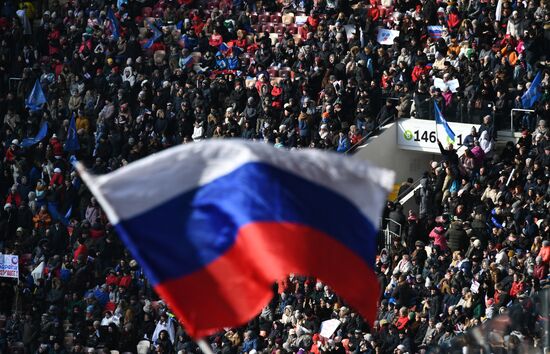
57	170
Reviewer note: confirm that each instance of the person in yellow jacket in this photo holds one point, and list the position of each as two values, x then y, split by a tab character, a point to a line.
82	121
29	8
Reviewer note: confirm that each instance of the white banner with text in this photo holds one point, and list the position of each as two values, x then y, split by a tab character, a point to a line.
421	135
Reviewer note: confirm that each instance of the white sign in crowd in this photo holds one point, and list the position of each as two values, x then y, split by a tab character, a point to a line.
386	36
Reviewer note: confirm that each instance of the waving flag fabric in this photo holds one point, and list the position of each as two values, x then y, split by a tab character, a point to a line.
115	28
156	35
215	224
531	96
119	3
36	98
442	127
435	32
224	47
72	138
37	138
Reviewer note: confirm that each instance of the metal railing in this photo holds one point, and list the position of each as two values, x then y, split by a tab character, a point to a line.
10	82
388	235
409	193
368	135
512	116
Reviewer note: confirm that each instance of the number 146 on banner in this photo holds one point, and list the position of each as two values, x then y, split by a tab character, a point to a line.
420	134
426	136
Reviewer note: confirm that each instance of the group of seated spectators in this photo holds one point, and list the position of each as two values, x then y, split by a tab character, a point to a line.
140	76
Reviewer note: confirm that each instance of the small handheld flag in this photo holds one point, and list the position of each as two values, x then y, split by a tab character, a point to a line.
72	138
237	216
435	32
531	96
36	98
156	35
442	126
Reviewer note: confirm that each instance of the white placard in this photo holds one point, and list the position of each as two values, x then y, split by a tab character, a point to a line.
474	287
9	266
300	20
452	85
328	327
420	134
386	36
350	31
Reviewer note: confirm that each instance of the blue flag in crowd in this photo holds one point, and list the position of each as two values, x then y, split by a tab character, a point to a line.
39	136
440	122
36	98
531	96
156	35
72	139
120	2
115	28
56	213
223	47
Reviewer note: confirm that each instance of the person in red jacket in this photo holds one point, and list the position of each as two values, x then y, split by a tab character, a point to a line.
313	19
277	96
215	39
11	152
453	19
125	280
518	286
111	278
81	251
57	178
544	252
374	13
13	197
540	271
403	319
57	148
303	31
417	72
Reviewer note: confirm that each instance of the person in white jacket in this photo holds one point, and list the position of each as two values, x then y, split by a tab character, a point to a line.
515	25
198	131
165	323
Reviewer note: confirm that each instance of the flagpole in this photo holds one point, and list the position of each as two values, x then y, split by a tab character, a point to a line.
204	346
435	120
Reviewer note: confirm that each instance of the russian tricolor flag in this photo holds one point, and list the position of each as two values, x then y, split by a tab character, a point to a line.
215	224
435	32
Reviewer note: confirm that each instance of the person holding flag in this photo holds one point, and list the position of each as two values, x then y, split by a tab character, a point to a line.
115	26
532	95
156	35
441	126
528	100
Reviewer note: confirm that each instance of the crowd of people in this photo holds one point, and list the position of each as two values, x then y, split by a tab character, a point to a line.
139	76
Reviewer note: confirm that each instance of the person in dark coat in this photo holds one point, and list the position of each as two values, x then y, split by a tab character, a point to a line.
413	231
457	237
403	293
